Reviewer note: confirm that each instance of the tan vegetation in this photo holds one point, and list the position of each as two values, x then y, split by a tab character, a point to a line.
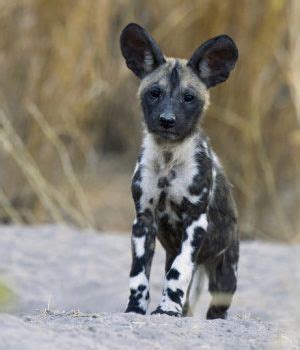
70	122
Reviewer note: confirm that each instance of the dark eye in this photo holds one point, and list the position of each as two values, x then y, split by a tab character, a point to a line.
155	93
188	97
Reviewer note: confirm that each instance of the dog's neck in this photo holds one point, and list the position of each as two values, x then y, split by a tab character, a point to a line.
168	152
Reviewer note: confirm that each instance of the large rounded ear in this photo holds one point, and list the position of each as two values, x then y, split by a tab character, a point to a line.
214	60
140	51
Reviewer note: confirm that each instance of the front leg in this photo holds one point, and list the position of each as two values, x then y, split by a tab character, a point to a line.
179	277
143	245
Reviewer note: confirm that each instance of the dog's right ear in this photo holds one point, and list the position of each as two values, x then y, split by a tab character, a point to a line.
140	51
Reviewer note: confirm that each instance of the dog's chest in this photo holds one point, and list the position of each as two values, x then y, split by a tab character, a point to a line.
165	184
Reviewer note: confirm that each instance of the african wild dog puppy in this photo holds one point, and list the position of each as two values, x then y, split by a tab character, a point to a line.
180	192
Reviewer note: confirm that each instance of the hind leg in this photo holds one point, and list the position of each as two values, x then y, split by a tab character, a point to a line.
194	291
197	287
222	283
186	309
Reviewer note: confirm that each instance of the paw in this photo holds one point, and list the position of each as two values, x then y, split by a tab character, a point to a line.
215	312
135	309
138	303
160	311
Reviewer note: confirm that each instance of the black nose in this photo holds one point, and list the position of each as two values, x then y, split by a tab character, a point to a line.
167	120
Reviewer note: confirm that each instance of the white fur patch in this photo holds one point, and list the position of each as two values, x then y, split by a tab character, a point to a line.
235	269
204	69
201	222
216	165
148	61
213	187
139	245
154	167
215	159
136	168
137	280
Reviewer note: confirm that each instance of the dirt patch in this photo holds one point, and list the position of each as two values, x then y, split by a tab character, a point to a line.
53	268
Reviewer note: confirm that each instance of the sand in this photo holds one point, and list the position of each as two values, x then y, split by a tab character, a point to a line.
71	287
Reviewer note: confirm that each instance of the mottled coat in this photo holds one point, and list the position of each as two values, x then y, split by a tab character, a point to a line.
180	192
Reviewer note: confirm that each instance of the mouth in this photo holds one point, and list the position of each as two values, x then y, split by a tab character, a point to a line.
167	134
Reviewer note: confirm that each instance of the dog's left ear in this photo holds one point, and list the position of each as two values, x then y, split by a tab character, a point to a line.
214	60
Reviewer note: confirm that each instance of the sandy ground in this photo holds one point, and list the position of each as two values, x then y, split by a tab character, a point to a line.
71	288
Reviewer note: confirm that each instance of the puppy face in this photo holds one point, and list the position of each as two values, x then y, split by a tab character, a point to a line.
172	99
174	92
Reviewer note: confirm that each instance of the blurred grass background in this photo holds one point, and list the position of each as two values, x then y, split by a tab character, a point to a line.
70	124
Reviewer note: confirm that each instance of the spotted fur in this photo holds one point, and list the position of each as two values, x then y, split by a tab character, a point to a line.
180	192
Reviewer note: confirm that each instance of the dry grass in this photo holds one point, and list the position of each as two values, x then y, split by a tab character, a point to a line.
70	120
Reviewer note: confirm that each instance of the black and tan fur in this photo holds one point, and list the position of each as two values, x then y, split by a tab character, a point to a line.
180	192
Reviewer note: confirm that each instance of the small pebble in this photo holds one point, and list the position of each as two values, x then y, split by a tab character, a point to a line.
92	328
